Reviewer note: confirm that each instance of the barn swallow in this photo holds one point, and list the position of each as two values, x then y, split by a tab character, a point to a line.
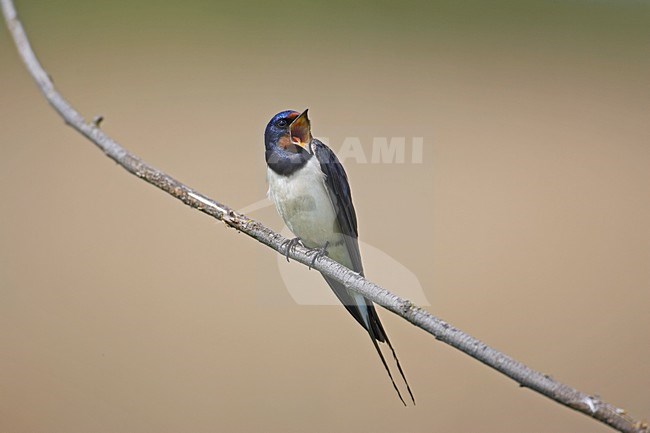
310	190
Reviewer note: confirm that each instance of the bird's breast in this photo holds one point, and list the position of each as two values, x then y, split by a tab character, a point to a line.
303	202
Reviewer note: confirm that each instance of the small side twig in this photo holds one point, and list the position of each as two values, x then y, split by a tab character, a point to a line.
97	120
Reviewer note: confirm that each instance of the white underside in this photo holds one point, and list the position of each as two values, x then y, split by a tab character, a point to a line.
305	206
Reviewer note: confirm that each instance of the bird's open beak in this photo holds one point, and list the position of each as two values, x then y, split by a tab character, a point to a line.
300	131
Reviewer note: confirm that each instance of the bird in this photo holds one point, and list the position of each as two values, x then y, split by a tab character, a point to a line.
310	190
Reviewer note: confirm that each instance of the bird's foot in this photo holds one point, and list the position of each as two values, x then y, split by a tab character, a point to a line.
318	253
290	244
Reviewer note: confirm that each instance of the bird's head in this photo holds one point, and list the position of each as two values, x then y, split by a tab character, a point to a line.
289	131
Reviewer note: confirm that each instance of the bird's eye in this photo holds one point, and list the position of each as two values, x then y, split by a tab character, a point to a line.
282	123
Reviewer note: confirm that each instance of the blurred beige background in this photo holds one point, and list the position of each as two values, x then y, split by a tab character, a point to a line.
121	310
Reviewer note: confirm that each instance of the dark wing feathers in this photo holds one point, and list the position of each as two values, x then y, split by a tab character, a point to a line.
339	189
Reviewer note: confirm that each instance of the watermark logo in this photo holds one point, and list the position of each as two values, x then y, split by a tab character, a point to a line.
308	287
384	150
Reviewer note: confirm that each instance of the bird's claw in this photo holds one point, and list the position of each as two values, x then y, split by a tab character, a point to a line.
318	253
290	244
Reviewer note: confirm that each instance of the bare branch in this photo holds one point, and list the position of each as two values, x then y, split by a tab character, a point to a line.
589	405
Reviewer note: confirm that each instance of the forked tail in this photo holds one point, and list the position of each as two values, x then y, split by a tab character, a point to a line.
384	337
